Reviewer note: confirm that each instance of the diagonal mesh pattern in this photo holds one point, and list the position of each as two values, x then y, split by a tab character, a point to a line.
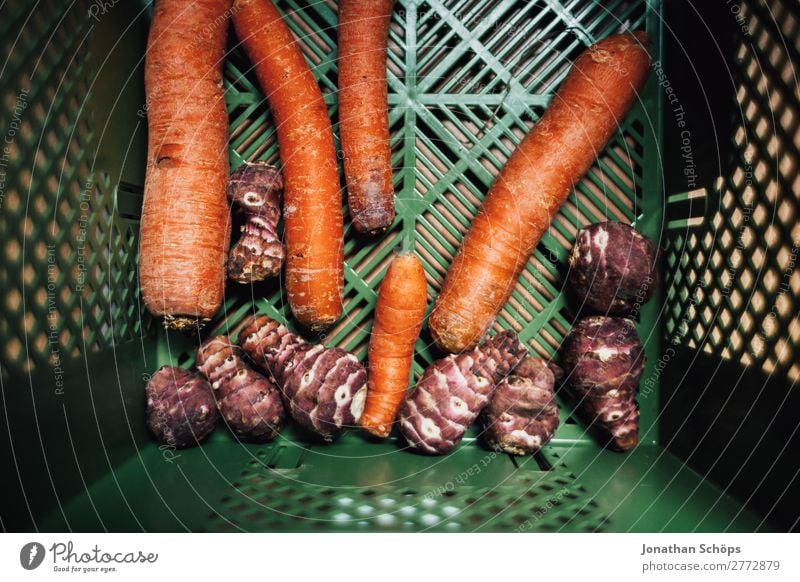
67	258
736	283
270	495
467	80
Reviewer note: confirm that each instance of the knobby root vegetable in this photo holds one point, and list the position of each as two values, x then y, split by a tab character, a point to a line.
452	392
399	312
258	254
185	227
249	402
180	407
585	113
603	360
312	211
612	268
363	112
522	415
323	388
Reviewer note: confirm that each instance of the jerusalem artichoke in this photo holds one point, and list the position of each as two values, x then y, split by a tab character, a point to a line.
256	188
180	407
249	402
323	388
604	359
452	392
522	415
613	268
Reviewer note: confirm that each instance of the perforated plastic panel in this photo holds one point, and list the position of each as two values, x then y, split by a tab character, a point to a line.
467	80
736	281
270	494
68	259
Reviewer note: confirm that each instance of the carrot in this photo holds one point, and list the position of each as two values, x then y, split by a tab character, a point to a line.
185	228
398	318
363	114
313	218
586	111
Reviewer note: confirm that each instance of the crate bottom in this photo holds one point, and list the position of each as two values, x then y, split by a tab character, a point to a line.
357	485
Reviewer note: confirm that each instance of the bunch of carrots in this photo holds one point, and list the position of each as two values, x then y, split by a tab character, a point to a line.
185	230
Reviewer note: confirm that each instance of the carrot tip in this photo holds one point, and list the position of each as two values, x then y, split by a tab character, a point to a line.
380	431
372	221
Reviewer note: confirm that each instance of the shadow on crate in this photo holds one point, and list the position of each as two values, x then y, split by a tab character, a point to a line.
738	427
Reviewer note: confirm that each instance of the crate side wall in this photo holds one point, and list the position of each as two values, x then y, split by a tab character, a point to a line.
730	366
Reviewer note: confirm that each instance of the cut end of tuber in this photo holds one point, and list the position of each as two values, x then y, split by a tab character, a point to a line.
625	442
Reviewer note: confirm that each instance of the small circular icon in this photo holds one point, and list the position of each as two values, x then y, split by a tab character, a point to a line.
31	555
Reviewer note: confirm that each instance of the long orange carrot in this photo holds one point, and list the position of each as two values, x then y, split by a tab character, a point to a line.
312	212
398	318
185	229
363	115
586	110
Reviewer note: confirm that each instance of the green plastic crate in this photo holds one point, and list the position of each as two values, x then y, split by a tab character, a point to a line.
467	79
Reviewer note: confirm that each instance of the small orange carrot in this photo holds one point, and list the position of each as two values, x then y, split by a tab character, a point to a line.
399	312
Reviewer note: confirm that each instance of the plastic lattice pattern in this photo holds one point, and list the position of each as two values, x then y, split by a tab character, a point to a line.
270	496
734	278
67	258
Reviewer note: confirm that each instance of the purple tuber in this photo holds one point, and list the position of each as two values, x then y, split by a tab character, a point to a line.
603	359
613	268
256	189
180	407
249	402
324	389
522	415
452	392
